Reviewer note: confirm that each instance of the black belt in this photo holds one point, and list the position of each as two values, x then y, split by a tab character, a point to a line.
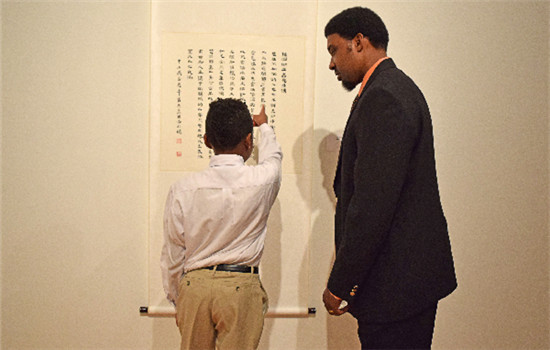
233	268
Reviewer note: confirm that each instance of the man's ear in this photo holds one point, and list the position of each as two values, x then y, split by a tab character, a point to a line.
359	41
206	142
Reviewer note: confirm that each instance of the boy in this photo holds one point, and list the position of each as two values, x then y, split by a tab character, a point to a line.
214	232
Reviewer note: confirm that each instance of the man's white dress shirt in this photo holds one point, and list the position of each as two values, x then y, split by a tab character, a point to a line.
219	215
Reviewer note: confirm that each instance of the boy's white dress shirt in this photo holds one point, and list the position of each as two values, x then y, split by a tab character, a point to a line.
219	215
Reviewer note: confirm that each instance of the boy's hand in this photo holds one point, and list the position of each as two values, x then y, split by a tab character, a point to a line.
261	118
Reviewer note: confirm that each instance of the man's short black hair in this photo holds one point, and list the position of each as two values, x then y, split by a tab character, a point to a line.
352	21
228	122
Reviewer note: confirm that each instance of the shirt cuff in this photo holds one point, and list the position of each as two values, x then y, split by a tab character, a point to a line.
337	298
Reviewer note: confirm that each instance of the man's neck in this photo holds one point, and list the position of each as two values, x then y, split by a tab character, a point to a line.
374	57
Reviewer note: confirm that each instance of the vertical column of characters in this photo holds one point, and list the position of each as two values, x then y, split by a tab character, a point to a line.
263	77
273	90
200	104
221	73
232	74
211	78
242	75
252	76
211	81
179	78
284	70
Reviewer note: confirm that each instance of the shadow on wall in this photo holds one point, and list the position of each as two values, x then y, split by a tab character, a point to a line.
340	332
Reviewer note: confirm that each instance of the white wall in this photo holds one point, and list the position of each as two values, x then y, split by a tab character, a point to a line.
74	209
75	155
1	181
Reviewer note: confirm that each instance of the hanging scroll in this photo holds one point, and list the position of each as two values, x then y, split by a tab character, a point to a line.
189	71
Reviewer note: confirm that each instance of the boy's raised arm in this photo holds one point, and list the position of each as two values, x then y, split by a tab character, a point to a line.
261	118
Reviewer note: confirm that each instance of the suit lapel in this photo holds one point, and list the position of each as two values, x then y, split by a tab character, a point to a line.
336	182
386	64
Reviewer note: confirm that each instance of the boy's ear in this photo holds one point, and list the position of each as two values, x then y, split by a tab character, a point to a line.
248	141
206	142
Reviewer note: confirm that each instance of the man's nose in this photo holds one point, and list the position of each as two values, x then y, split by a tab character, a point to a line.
331	65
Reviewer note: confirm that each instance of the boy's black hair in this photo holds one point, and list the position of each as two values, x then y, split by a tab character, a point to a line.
228	122
352	21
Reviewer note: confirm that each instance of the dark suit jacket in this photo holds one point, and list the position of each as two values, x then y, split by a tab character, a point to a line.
393	255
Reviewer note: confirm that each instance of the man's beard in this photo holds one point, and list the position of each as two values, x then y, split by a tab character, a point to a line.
348	85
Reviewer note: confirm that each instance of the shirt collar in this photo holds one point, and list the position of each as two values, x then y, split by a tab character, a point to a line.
226	160
369	73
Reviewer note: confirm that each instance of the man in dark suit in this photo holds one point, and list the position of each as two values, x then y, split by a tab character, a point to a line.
393	257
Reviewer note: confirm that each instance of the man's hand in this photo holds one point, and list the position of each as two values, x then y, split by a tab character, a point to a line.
332	304
261	118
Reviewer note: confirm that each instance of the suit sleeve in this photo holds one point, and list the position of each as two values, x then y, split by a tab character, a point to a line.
385	136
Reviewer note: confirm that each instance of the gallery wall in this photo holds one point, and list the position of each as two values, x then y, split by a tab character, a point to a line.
75	171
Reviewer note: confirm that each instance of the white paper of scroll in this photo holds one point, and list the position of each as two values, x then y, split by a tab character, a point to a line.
199	68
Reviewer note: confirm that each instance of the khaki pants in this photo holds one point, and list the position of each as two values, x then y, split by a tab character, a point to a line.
220	310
